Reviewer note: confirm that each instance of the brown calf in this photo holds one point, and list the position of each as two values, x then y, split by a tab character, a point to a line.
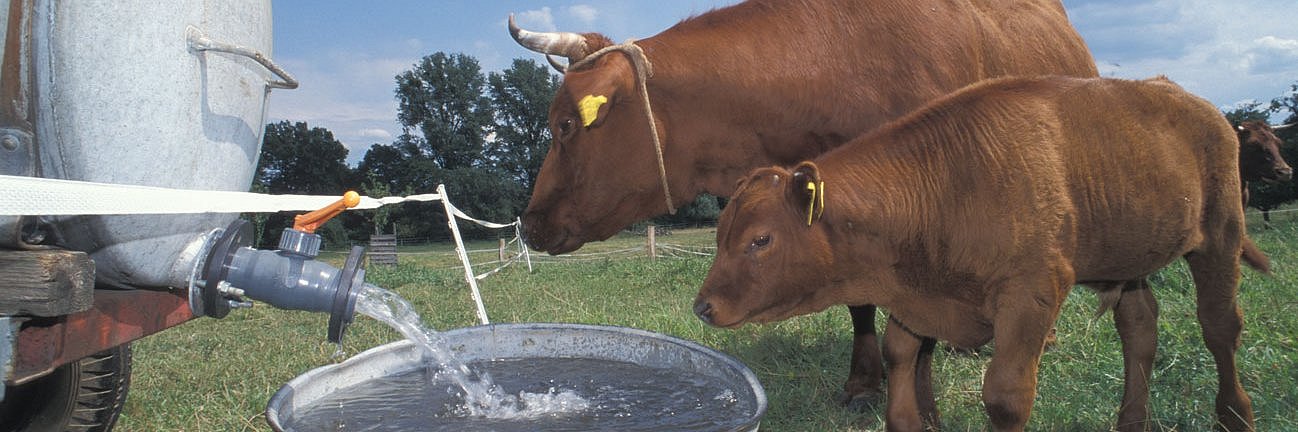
971	219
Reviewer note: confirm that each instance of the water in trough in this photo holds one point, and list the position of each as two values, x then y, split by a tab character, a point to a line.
549	393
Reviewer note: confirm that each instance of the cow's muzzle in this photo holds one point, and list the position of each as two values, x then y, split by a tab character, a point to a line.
1284	174
703	310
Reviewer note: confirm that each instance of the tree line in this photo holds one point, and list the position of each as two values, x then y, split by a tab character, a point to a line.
483	136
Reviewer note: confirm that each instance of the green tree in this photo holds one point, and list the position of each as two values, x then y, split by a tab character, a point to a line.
446	118
299	159
1287	104
377	188
704	210
521	96
1249	111
443	99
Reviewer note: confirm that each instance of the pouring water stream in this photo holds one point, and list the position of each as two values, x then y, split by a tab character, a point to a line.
481	397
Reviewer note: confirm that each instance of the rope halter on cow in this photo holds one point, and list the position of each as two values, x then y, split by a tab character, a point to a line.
643	70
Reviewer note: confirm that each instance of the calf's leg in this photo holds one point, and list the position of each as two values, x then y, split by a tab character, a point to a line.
924	385
1025	311
1136	317
902	350
1216	282
865	373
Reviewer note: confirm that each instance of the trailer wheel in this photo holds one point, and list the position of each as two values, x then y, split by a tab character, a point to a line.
83	396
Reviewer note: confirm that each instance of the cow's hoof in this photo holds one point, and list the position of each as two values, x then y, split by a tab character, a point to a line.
965	352
866	400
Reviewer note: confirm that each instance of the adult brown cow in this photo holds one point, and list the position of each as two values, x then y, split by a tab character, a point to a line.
763	82
971	219
1259	155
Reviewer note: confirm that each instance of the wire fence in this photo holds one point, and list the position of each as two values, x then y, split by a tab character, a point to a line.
486	261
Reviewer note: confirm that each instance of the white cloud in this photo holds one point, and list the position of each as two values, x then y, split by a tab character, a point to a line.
1270	54
347	92
587	14
415	44
1226	52
536	20
376	133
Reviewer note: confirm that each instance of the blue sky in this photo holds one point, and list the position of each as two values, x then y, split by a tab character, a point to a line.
346	54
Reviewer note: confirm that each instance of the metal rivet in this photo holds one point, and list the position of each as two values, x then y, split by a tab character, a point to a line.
9	142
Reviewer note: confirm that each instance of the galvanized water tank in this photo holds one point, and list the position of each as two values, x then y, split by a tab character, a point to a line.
523	341
126	92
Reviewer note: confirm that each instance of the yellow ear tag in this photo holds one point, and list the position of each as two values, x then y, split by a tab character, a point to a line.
817	199
589	108
821	200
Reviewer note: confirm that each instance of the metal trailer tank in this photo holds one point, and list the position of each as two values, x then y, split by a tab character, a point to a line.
158	93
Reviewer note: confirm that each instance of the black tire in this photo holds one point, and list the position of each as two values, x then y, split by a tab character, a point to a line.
82	396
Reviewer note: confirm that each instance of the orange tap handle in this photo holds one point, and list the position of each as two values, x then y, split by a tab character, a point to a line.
308	222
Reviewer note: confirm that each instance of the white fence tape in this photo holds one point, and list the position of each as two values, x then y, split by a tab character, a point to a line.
34	196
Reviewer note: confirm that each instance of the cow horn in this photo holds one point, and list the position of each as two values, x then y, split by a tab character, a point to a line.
570	45
1282	126
554	63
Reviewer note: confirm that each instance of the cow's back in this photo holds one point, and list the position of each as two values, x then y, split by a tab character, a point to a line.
854	65
1017	43
1148	165
1097	167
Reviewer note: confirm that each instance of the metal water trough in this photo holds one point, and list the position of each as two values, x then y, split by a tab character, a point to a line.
528	340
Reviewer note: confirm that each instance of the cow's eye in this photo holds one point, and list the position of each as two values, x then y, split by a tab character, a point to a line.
761	241
566	126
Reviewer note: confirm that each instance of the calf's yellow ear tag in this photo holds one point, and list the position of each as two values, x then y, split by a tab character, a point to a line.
817	198
588	107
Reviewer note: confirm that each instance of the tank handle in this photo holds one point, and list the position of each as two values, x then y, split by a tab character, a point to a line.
200	42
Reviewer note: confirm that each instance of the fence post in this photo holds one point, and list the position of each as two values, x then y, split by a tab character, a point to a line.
522	248
501	251
463	253
653	250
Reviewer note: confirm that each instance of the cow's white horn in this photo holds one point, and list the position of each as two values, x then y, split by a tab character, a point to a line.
570	45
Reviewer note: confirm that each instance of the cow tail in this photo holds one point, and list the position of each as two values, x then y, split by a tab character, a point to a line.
1254	257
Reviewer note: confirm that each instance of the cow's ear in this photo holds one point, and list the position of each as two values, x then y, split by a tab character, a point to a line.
594	109
808	190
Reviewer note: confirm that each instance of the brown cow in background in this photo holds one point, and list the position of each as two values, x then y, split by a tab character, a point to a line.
972	218
759	83
1259	155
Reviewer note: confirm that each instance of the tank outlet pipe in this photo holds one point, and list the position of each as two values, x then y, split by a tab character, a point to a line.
287	278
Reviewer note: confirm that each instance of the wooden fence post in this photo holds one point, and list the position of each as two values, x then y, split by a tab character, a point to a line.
501	250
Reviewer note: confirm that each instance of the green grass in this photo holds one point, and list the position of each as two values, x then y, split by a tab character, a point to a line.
217	375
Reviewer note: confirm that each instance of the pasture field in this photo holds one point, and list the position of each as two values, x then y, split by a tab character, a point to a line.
216	375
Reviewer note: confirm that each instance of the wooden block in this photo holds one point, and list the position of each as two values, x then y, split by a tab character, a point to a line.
383	249
45	282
